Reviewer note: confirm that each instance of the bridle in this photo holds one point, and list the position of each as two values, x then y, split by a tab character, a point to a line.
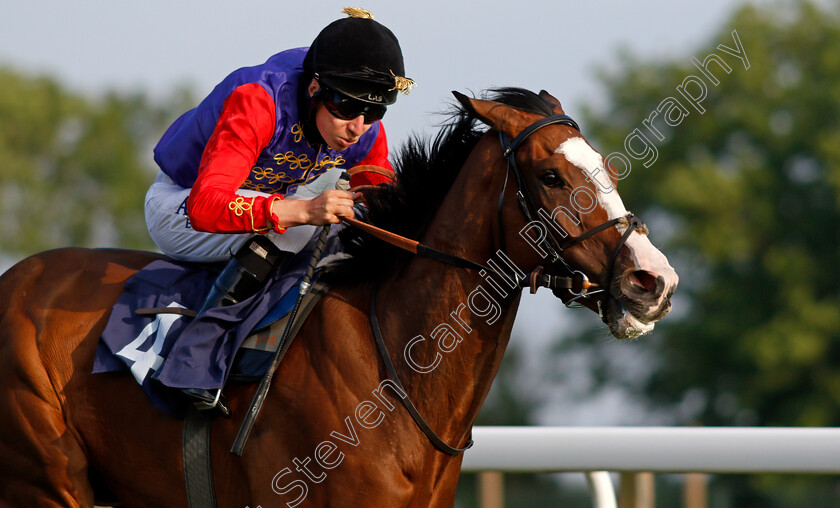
579	287
575	282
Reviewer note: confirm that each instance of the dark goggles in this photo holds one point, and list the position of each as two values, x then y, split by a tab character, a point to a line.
348	108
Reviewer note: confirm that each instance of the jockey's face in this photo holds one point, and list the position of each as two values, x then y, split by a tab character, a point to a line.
338	133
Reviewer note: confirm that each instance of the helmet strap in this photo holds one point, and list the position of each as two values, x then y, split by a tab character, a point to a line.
307	106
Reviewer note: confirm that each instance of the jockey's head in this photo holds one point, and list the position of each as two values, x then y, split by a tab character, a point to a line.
352	72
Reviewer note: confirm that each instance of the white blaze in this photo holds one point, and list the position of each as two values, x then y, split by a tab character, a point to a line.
643	254
578	152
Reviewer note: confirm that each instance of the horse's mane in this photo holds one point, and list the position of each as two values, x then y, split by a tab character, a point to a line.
425	171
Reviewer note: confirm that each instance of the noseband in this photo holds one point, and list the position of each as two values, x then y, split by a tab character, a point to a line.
577	283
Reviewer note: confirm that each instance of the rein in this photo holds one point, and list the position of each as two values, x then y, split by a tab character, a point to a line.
576	283
392	375
413	246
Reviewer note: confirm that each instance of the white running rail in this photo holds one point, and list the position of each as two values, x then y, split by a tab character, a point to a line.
596	450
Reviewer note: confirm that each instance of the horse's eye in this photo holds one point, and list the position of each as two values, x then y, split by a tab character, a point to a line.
552	179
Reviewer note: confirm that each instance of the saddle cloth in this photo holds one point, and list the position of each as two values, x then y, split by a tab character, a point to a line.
171	350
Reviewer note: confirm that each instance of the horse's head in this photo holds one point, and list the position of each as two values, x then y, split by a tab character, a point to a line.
566	214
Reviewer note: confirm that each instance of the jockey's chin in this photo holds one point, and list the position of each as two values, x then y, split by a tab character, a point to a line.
341	143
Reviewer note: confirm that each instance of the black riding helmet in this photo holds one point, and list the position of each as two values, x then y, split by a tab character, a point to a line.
360	58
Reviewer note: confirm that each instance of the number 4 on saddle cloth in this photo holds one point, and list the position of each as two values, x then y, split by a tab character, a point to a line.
169	350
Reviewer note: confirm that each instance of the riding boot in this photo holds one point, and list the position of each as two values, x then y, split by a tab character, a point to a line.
243	276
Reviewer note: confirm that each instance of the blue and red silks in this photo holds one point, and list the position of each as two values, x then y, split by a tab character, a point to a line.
167	351
288	160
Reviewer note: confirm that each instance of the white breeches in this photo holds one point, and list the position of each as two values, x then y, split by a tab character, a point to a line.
169	226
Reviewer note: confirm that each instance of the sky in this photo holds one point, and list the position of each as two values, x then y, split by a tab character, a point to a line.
157	46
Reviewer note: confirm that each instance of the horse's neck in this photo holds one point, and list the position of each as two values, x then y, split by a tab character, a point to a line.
446	333
447	328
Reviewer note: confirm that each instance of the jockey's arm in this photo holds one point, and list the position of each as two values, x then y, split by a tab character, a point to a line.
327	208
332	204
245	126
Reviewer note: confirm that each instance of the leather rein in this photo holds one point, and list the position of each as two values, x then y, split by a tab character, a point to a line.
575	282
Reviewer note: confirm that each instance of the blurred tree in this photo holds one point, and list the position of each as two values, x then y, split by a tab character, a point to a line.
75	170
745	200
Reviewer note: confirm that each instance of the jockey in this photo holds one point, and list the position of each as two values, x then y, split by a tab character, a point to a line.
250	170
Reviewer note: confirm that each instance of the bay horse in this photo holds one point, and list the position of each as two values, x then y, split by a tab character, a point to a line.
333	433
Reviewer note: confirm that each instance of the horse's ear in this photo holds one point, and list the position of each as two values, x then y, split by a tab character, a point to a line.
494	114
558	108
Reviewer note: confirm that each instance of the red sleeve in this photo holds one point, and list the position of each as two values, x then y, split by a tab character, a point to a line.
377	156
245	126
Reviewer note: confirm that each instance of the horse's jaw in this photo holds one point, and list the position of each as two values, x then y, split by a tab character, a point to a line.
617	313
624	325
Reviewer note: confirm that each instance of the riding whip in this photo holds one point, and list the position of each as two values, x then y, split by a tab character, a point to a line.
262	390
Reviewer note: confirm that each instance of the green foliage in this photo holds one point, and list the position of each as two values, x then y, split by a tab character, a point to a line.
75	170
744	199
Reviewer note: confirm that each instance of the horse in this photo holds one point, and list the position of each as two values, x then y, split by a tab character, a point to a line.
334	431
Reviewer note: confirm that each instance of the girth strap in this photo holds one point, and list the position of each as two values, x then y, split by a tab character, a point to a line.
392	375
198	470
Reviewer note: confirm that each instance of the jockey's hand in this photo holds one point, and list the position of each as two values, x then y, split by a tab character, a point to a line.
327	208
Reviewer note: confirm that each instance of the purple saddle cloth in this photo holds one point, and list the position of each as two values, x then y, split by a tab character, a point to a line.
168	350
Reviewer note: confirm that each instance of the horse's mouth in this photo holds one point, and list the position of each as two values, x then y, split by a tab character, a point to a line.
621	316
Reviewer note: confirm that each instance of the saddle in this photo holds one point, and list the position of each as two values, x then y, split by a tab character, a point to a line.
256	353
233	343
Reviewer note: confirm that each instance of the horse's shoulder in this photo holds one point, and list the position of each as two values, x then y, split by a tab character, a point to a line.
351	298
343	309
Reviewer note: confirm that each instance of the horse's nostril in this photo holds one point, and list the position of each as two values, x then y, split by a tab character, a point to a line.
642	280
